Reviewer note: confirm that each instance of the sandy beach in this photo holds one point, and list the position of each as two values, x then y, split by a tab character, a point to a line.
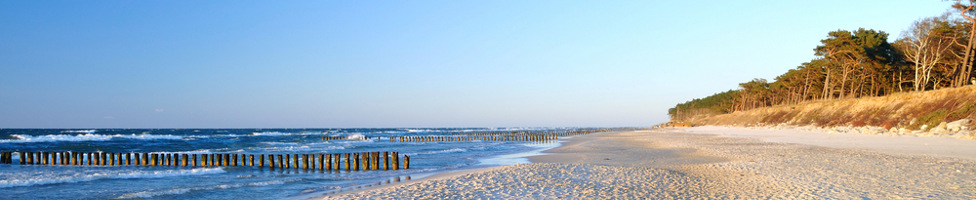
716	163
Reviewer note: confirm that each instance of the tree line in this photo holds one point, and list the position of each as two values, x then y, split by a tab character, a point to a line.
934	53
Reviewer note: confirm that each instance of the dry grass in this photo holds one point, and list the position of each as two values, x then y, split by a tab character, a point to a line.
909	110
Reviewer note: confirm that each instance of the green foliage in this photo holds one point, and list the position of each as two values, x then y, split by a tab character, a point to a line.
931	119
719	103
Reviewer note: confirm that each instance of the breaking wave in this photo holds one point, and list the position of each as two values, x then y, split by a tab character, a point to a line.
85	137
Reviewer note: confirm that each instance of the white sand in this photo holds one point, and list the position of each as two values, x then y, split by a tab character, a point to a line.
671	163
936	146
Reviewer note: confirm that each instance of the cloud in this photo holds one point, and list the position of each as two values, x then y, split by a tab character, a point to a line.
159	110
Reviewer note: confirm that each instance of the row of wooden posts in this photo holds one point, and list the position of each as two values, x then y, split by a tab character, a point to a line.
353	161
527	138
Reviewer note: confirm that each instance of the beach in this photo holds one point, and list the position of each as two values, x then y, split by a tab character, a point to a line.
716	163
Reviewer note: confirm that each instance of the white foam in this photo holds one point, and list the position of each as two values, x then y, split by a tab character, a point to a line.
356	136
154	193
90	131
440	151
269	133
48	179
85	137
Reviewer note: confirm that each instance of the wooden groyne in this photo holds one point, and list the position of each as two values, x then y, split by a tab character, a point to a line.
364	161
523	136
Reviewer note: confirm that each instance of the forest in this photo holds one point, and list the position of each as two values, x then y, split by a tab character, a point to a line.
933	53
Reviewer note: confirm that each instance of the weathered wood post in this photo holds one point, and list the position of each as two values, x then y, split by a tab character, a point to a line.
406	162
251	157
336	158
321	162
347	162
204	160
356	161
155	159
271	161
287	161
261	164
23	158
235	160
185	158
376	160
367	161
194	161
296	161
328	162
281	162
396	160
304	161
226	159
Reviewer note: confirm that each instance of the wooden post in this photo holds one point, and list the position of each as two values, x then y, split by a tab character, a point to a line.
169	160
321	161
226	159
396	160
204	160
89	158
261	164
287	161
406	162
296	161
356	160
376	160
328	163
336	160
367	162
194	160
184	159
235	160
281	163
271	161
347	162
128	158
220	159
23	157
305	161
155	159
252	159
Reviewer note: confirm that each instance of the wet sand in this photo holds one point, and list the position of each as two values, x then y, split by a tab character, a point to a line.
707	163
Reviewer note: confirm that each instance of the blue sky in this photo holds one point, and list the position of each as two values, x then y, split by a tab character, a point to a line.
263	64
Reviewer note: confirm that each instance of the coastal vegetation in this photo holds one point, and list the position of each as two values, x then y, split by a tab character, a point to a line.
854	70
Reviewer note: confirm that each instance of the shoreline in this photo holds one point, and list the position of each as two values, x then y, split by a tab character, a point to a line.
697	164
431	176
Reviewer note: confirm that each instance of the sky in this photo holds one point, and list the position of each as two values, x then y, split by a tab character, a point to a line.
375	64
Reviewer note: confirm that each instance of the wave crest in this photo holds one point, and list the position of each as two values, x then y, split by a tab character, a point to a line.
85	137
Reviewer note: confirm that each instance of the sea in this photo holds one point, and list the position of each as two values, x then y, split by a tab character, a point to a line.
242	182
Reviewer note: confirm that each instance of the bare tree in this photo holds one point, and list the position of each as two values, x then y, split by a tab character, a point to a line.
966	10
924	47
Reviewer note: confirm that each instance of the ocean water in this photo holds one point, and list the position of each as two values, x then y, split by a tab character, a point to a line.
241	182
